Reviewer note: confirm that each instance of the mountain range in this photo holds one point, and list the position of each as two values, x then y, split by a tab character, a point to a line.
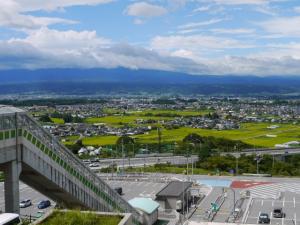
121	80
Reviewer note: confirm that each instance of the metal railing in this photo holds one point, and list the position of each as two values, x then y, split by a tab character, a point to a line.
25	122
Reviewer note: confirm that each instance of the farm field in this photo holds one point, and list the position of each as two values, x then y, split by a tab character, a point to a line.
131	116
251	133
183	113
121	120
57	120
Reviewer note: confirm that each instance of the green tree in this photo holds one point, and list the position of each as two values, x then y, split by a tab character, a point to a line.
193	138
45	118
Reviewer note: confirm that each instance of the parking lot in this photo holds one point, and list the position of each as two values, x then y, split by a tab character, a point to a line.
27	192
133	189
289	202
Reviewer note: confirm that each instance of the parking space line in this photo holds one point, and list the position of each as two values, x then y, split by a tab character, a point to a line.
294	202
258	217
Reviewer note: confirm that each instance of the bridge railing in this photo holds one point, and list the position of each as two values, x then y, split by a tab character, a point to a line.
28	123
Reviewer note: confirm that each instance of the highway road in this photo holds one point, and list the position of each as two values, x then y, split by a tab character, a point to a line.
275	152
136	162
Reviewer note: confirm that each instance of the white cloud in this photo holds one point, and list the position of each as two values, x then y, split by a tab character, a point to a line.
199	24
195	43
144	9
54	40
285	26
13	13
242	2
34	5
47	48
297	9
233	31
202	9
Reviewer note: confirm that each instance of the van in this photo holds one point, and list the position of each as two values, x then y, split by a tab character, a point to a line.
10	219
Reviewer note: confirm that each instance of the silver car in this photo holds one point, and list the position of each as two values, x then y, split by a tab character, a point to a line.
25	203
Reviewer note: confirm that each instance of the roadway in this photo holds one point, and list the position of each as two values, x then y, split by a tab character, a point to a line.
275	152
137	162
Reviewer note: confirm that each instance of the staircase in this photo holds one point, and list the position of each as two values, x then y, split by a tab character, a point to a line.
29	153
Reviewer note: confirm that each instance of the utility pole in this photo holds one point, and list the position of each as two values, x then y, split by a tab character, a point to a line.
236	165
273	163
123	155
159	139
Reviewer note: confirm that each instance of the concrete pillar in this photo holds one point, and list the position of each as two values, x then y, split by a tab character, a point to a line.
11	187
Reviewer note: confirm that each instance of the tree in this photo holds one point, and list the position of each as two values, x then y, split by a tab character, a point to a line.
45	118
193	138
125	140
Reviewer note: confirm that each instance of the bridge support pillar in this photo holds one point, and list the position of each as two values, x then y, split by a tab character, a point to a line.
11	187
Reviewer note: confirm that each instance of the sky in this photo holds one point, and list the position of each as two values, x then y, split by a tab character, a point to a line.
217	37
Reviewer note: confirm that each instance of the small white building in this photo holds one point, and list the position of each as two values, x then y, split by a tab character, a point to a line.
147	207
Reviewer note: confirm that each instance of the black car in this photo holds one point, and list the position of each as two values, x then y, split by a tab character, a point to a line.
278	213
44	204
119	190
264	218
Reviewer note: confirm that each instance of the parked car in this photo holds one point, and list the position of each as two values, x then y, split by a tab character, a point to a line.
44	204
278	213
94	165
264	218
25	203
119	190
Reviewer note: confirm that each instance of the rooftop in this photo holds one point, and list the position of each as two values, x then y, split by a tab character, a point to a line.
4	109
174	189
145	204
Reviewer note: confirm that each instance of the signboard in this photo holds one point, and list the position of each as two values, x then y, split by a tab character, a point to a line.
195	191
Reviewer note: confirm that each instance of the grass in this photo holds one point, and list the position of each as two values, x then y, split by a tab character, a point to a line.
78	218
117	120
120	120
69	140
100	140
57	120
251	133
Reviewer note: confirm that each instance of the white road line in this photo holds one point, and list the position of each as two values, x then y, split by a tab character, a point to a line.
294	202
258	217
272	203
262	202
283	201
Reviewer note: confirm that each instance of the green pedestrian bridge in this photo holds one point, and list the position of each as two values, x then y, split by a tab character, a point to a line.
30	154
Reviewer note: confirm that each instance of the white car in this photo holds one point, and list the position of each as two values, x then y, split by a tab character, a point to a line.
25	203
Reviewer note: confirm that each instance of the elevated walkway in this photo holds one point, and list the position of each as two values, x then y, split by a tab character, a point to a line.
30	154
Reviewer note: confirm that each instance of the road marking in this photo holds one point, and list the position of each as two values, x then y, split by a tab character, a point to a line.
283	201
272	203
262	202
294	202
258	217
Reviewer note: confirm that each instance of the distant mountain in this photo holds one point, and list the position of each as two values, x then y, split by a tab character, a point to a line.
120	80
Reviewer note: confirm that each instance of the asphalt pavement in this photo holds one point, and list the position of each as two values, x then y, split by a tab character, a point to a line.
27	192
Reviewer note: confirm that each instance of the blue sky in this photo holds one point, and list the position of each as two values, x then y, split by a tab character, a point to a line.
240	37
